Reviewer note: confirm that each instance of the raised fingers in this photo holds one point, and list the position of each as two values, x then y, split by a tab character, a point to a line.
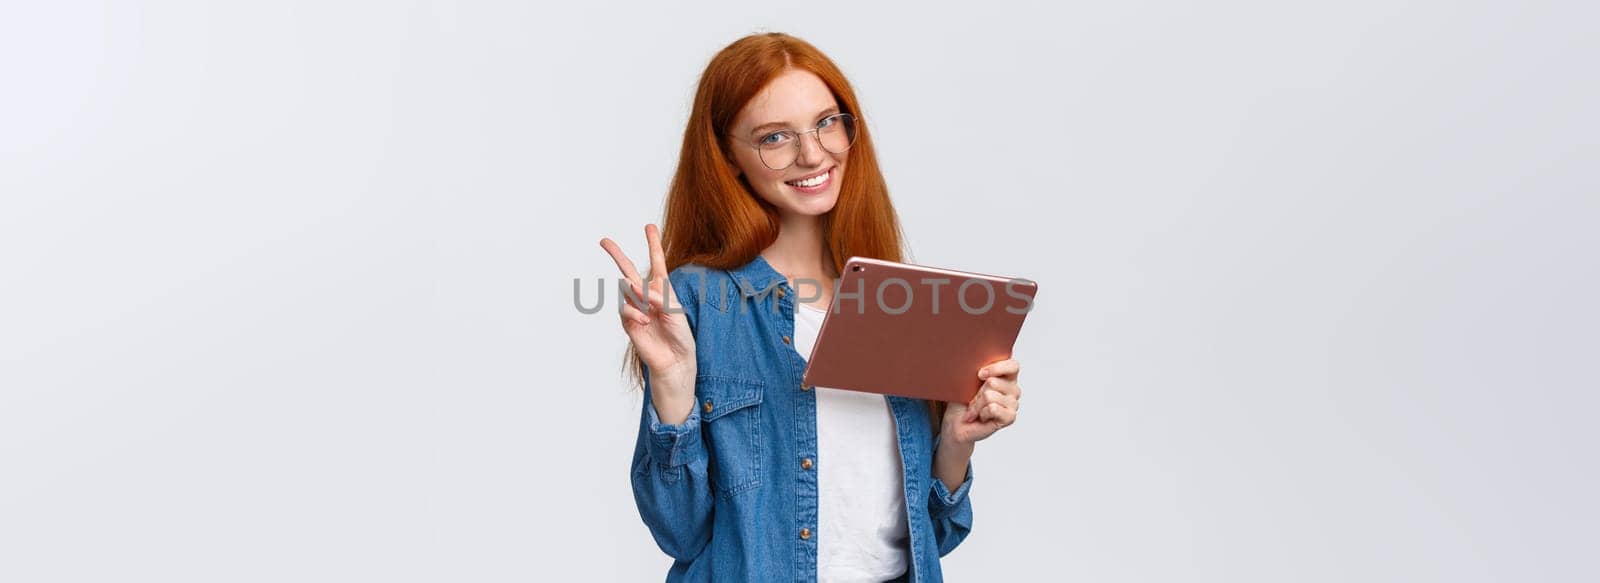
658	257
623	263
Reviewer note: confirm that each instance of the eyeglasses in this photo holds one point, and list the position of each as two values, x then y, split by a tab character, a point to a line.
778	150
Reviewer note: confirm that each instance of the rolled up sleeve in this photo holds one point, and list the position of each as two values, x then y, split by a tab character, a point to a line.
673	445
951	512
670	483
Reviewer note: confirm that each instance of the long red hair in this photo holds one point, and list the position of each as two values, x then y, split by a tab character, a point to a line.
712	218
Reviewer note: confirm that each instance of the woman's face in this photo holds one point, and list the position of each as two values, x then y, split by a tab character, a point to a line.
795	101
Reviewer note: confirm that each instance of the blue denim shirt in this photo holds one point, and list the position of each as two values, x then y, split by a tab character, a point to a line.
728	493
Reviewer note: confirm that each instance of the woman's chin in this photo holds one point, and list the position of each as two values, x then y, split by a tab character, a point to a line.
812	205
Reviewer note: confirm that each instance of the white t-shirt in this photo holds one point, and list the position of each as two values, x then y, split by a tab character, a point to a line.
861	511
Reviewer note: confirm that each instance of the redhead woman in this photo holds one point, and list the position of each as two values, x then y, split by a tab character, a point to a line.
741	472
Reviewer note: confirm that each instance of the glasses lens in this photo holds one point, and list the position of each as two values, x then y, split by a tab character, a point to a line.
837	133
778	159
778	150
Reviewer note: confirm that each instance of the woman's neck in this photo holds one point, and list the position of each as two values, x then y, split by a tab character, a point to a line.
798	251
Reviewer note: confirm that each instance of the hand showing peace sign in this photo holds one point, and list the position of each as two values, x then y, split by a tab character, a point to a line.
662	339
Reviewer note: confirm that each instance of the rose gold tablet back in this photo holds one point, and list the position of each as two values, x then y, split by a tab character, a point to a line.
915	331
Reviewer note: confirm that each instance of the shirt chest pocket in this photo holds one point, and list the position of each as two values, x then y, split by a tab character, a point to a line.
730	410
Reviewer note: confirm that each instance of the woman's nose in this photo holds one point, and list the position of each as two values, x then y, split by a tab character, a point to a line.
811	152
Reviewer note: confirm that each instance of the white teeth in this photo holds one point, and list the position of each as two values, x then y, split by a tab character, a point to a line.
813	181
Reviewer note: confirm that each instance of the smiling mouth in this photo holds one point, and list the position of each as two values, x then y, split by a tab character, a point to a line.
812	181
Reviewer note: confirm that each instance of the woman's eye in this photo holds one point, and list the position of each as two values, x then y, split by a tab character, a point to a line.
775	138
827	121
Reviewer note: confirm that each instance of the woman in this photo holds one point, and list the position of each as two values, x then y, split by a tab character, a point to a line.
741	472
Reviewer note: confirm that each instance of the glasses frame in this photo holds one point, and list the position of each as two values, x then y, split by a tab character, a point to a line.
815	132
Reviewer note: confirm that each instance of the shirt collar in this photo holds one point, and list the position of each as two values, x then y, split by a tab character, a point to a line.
756	277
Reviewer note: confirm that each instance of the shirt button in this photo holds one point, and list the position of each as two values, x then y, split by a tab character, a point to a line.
805	387
780	292
805	533
707	406
805	464
785	339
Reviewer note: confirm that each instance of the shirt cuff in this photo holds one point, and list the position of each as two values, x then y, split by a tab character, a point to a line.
946	502
673	445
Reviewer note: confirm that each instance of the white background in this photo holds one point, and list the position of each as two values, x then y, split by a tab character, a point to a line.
286	287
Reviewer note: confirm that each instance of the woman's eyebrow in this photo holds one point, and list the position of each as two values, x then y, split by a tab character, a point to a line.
778	124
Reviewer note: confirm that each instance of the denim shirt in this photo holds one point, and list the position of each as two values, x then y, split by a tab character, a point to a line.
731	493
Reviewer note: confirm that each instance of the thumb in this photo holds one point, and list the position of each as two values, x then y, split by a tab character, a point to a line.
972	408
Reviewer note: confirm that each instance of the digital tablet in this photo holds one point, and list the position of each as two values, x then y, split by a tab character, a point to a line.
916	331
